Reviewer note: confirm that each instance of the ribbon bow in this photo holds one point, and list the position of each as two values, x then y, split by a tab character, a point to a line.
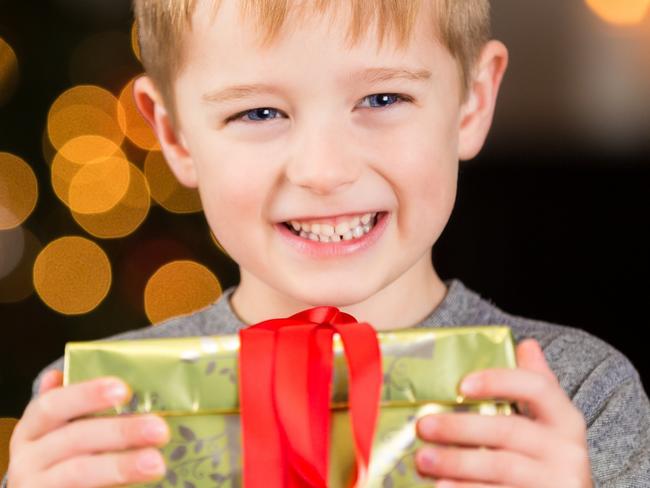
285	371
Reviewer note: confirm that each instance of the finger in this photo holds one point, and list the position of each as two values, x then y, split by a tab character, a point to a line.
59	405
88	436
530	356
51	379
510	432
479	465
102	470
546	400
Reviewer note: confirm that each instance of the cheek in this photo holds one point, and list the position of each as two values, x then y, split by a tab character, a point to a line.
234	188
421	164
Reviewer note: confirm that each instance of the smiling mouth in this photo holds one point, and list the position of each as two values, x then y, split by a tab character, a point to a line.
350	229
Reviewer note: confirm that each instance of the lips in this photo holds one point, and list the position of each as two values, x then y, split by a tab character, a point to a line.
315	249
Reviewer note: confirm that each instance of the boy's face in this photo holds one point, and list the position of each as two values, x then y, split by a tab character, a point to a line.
325	148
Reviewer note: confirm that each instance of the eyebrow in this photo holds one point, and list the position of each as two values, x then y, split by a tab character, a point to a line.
369	75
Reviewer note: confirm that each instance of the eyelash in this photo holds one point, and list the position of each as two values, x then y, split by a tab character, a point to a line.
239	116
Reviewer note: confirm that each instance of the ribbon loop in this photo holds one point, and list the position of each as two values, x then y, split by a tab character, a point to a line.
285	390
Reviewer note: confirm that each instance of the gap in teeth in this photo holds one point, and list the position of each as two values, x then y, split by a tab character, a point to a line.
329	233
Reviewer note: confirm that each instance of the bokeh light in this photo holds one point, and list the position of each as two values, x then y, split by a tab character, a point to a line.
9	73
146	254
125	217
133	124
84	110
134	41
47	149
17	284
90	174
18	191
166	189
620	12
12	245
217	243
7	428
100	185
72	275
179	287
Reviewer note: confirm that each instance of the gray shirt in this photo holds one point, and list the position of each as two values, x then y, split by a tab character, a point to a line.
601	382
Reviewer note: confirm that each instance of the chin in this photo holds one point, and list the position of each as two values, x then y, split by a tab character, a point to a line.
329	292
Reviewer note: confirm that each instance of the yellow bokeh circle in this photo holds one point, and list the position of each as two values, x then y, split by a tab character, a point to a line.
90	174
166	189
178	288
16	282
217	243
620	12
47	149
72	275
125	217
8	71
84	110
133	124
18	191
134	40
99	186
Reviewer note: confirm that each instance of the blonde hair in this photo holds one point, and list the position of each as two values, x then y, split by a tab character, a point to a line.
462	26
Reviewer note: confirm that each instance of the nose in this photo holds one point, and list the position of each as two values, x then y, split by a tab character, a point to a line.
322	162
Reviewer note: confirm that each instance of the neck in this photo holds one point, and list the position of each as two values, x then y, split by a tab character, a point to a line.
403	303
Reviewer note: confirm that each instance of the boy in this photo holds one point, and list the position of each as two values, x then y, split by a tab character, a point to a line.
327	170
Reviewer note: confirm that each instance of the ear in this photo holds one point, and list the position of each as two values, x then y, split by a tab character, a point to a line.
477	110
173	144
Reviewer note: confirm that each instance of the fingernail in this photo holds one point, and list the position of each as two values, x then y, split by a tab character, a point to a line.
427	458
470	385
154	429
428	425
150	463
115	391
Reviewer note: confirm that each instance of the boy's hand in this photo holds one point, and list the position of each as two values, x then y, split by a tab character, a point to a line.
547	448
48	450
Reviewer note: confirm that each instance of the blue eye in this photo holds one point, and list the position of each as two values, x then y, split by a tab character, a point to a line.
384	97
260	114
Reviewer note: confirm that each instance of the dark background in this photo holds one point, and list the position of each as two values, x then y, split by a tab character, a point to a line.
551	220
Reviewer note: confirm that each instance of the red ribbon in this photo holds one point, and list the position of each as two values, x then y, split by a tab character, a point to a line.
285	376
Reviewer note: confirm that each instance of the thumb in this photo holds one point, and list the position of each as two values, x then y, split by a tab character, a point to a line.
530	356
52	379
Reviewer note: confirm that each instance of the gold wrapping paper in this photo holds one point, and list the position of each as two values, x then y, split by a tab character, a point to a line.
192	383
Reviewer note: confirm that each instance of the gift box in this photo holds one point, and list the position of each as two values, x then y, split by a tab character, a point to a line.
194	384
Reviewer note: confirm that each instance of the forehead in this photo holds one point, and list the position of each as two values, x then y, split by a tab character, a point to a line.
329	28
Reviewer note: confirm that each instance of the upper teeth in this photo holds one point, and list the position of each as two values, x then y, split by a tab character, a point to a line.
346	230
